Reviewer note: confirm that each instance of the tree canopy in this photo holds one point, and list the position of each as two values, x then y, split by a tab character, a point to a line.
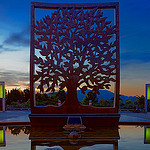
141	101
89	96
75	47
17	95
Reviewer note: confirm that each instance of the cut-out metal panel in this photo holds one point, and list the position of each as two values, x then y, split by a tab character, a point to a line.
75	47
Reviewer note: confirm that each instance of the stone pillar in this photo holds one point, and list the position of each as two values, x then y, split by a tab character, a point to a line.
2	94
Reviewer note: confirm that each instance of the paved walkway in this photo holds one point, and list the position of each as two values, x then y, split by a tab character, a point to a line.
22	116
14	116
134	117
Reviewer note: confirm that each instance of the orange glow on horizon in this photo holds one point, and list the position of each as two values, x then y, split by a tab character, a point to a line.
21	87
132	87
125	89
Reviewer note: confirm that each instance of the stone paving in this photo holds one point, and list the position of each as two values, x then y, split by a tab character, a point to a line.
22	116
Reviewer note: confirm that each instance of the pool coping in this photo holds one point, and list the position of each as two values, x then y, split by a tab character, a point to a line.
120	123
133	123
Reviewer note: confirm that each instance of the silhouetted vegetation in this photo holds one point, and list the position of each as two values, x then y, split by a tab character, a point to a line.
51	98
21	98
18	98
89	96
141	101
138	104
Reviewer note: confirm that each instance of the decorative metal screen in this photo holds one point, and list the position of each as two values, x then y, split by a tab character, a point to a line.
75	46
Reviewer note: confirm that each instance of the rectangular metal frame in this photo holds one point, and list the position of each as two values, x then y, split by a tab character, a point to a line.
39	5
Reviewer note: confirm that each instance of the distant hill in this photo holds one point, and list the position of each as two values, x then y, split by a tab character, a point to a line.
123	97
105	94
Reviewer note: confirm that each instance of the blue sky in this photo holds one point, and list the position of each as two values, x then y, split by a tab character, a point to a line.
134	42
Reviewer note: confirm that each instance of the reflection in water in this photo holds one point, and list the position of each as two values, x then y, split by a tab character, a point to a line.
15	130
131	137
73	140
146	135
47	138
2	136
52	148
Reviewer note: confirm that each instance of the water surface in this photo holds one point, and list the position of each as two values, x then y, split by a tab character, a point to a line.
29	138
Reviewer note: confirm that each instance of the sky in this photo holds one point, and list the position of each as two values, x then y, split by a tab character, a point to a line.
134	24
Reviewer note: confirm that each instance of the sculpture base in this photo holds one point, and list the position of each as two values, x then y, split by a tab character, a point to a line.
89	120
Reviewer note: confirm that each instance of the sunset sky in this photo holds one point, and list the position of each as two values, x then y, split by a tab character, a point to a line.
134	43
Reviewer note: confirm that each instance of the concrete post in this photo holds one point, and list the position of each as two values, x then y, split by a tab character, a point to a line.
3	99
147	95
146	98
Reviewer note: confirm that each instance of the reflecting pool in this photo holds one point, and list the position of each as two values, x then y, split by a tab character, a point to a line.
36	138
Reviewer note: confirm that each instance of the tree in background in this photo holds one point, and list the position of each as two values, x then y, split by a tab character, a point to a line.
121	103
112	101
51	98
136	103
104	103
26	95
61	95
128	103
18	97
14	95
141	101
42	99
89	96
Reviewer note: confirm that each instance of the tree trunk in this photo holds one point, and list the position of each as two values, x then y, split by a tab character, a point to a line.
71	98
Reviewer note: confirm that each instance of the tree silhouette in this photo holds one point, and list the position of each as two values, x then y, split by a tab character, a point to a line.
76	50
89	96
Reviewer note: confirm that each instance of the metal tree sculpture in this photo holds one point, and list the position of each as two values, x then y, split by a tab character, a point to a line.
77	50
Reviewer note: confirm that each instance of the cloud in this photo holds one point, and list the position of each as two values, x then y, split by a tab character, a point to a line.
3	48
136	70
18	39
134	76
14	78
